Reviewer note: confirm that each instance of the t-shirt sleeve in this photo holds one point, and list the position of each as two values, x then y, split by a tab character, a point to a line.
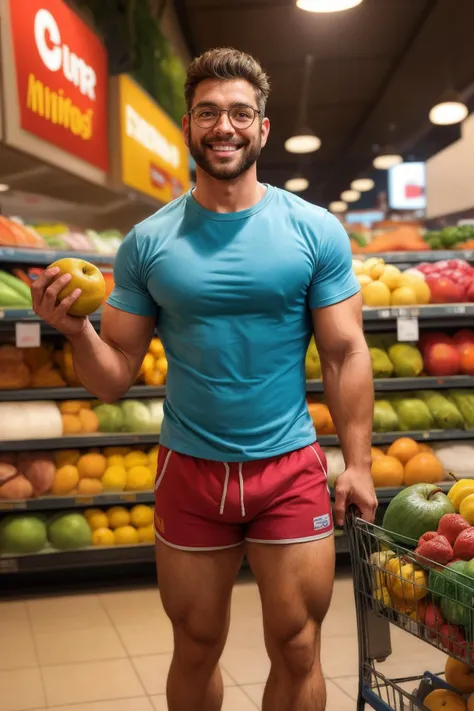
333	278
130	292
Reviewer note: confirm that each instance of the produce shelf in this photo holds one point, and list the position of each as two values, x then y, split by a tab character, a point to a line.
29	395
53	503
429	312
79	442
418	257
395	384
51	560
43	258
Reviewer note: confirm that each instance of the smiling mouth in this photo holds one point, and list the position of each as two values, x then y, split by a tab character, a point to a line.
223	147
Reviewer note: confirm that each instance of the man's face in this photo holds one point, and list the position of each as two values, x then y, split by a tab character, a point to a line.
225	151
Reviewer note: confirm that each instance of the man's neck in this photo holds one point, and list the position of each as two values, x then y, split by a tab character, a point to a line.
228	195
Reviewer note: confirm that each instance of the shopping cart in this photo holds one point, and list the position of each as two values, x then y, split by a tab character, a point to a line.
393	586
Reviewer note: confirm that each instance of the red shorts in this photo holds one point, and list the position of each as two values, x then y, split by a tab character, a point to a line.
208	505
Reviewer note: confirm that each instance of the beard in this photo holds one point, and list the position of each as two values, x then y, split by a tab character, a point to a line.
248	154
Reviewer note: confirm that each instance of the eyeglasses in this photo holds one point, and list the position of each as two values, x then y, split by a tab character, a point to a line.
239	116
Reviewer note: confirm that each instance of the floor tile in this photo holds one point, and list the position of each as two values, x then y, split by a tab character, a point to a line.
247	665
337	700
67	613
92	681
137	704
20	690
156	637
133	607
339	656
234	700
348	684
255	692
17	650
13	619
153	672
66	646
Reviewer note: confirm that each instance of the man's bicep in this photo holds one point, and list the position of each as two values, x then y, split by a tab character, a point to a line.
338	327
127	332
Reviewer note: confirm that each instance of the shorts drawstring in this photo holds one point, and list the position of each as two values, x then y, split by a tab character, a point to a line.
226	487
241	482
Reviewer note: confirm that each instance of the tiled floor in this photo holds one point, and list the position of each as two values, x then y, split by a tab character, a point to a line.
111	651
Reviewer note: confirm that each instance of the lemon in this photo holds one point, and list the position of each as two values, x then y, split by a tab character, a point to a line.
91	512
141	515
422	292
146	534
404	296
139	478
370	263
376	294
136	459
103	537
116	460
391	276
358	266
98	520
364	279
118	516
153	459
377	270
114	478
125	536
65	480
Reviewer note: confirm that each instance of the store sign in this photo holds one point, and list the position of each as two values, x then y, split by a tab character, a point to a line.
406	186
61	72
155	158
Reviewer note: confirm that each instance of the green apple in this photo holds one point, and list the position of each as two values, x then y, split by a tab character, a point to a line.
88	278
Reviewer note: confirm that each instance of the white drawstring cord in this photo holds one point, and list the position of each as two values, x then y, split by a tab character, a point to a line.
241	482
226	485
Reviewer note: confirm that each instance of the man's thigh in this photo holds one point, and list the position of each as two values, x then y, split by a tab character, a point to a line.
296	583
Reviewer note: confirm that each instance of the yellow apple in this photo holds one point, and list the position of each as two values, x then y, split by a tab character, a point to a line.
88	278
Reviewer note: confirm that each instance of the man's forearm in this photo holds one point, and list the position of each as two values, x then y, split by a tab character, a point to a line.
102	369
348	386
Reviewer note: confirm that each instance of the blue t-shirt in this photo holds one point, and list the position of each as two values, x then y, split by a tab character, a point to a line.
232	295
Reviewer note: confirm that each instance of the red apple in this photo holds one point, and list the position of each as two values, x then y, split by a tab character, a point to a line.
444	290
442	359
464	337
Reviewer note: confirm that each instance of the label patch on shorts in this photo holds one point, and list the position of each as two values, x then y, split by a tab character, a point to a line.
321	522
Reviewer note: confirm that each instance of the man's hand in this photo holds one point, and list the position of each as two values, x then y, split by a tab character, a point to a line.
355	487
45	291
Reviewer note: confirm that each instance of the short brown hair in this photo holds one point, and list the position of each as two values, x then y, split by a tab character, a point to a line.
227	63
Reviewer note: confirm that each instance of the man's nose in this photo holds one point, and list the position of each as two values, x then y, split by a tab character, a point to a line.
223	125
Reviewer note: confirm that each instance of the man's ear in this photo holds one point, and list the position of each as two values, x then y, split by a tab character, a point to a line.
265	131
185	128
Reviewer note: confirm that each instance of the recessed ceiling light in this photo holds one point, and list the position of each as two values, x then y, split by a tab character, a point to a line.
4	187
338	206
326	5
362	184
350	195
296	185
447	113
387	160
304	143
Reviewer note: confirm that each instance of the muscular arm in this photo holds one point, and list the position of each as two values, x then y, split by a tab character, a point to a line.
347	373
107	365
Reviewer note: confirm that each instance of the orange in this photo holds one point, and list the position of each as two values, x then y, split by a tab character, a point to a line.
459	675
423	468
387	471
377	453
444	700
404	449
92	466
425	447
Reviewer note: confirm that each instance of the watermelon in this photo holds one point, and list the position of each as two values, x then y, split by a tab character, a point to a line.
22	534
453	589
414	511
69	531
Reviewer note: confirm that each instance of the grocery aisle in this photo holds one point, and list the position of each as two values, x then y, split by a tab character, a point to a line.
110	652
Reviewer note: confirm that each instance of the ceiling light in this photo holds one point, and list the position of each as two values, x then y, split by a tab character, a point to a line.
387	159
338	206
350	195
296	185
326	5
449	110
362	184
303	143
4	187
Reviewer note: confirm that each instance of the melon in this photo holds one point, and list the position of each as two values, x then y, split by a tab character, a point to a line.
452	589
414	511
22	534
69	532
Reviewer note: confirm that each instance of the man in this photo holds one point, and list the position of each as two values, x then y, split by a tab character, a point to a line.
236	275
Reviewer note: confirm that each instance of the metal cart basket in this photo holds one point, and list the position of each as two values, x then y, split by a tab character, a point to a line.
393	585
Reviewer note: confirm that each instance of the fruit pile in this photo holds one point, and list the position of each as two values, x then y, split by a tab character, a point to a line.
424	410
154	368
74	473
405	462
461	237
460	697
451	281
385	285
119	526
24	534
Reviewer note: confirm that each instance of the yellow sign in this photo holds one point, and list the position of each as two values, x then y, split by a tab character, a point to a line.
154	154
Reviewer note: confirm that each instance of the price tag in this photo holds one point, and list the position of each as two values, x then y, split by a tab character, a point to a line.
27	335
407	329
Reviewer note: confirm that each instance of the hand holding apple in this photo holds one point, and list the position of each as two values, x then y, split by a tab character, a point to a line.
86	277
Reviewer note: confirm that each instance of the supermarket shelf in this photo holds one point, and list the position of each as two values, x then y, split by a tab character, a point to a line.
53	503
396	384
50	560
8	318
127	439
429	312
417	257
79	442
28	395
43	258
